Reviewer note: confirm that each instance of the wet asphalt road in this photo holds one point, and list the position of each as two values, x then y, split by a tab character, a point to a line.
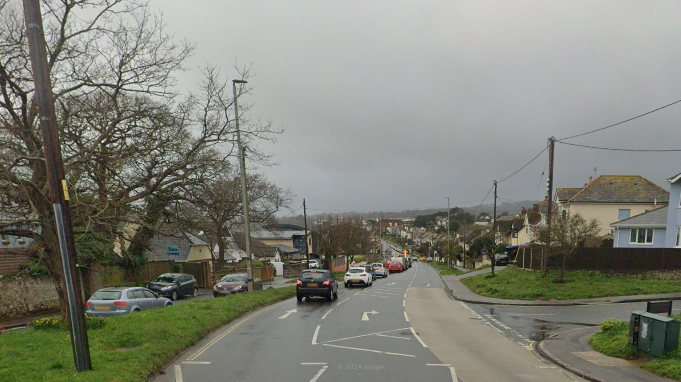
364	335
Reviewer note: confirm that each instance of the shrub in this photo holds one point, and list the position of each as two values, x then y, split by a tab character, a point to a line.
47	323
94	322
611	325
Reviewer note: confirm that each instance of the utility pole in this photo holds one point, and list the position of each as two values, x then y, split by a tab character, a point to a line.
307	250
549	190
494	224
57	181
244	192
449	252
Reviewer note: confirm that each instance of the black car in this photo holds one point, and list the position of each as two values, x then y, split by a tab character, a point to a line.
174	285
316	282
235	283
500	259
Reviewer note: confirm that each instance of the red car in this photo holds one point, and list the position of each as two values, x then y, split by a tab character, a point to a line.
395	267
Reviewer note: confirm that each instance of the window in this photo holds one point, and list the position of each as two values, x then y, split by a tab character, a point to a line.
678	236
641	236
623	214
527	231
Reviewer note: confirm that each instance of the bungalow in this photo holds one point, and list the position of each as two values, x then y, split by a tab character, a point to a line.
658	228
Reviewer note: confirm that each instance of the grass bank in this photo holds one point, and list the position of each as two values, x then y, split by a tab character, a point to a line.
444	270
514	283
126	348
613	340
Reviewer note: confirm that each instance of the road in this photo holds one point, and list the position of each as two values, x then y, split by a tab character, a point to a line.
402	328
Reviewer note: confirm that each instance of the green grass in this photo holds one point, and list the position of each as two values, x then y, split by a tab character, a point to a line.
514	283
613	340
127	348
444	270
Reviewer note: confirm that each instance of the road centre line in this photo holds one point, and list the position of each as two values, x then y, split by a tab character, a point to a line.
438	364
223	335
326	314
319	373
178	373
343	301
314	337
196	362
313	363
417	337
363	335
370	350
399	338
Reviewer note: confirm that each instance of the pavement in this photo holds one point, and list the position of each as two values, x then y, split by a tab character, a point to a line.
570	349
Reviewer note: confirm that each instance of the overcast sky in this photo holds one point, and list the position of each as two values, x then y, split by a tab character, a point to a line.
392	105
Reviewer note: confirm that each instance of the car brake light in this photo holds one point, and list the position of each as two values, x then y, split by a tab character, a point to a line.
120	303
364	274
299	282
313	271
347	274
88	303
327	283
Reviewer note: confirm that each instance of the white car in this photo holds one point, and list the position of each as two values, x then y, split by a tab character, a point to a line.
357	276
314	264
380	270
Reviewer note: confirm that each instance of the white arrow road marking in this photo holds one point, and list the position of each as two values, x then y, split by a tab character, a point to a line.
390	284
288	313
314	337
365	316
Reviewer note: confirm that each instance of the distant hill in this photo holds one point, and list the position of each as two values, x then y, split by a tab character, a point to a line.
505	207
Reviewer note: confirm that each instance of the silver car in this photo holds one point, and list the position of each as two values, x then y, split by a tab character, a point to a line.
122	300
380	270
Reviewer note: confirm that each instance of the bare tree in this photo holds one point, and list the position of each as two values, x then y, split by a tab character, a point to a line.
567	233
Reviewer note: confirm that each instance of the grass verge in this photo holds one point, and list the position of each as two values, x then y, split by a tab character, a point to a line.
126	348
514	283
613	340
444	270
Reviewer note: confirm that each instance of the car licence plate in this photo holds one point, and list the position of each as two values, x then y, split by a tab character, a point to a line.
312	285
356	281
102	307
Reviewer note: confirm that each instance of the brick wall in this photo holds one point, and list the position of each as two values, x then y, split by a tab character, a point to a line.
23	296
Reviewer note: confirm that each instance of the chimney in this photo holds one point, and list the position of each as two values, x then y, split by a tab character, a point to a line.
590	179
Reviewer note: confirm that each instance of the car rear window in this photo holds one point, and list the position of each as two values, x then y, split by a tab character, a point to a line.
356	271
313	276
377	265
106	295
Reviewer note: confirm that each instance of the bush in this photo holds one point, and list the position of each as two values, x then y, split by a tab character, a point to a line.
94	322
47	323
612	325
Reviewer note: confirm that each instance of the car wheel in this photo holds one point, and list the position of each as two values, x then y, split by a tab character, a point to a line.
299	298
335	294
196	292
345	284
173	296
168	304
329	296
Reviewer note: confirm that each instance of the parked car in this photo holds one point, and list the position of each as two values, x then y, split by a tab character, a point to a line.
395	267
370	269
123	300
174	285
430	260
234	283
320	282
314	264
380	270
357	276
500	259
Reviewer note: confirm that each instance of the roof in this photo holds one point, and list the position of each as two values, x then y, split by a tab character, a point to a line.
674	178
544	207
287	249
621	189
564	194
258	248
656	218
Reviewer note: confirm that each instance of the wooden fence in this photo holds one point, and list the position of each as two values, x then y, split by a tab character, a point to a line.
117	276
606	259
11	260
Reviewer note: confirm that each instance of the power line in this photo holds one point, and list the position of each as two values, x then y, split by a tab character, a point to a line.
541	177
620	149
526	164
483	200
621	122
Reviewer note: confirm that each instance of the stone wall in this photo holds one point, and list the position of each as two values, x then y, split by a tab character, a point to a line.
24	296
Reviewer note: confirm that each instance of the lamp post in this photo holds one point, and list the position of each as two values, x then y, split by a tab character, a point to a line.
449	252
244	193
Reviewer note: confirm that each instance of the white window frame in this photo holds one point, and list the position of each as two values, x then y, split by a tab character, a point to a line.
678	237
635	233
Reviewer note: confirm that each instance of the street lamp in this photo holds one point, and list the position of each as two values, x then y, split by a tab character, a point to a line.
449	253
244	193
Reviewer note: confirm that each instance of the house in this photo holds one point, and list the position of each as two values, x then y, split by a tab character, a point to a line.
284	234
657	228
286	253
259	250
181	247
612	198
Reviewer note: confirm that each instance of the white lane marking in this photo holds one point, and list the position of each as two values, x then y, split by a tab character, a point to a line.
370	350
314	337
365	316
390	292
364	335
343	301
288	313
357	293
533	314
223	335
313	363
319	374
178	373
405	294
399	338
196	362
403	302
405	316
326	314
453	371
438	364
417	337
